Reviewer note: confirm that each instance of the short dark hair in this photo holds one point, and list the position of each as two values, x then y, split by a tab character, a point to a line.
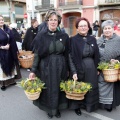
33	21
80	19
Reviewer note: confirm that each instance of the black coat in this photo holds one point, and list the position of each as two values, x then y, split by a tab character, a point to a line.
84	54
42	27
28	39
16	35
77	46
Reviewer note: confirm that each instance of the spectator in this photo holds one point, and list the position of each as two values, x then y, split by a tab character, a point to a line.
16	35
117	31
30	35
95	28
116	25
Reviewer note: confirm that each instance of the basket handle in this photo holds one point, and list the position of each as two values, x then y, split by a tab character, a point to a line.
74	84
75	79
26	81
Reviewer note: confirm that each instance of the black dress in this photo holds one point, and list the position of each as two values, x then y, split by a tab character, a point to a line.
88	74
51	70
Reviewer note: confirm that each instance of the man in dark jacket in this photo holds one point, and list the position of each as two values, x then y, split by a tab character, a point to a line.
30	35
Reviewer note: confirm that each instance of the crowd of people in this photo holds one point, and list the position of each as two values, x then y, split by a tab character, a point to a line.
59	57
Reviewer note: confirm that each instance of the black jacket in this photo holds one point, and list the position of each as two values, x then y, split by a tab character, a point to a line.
16	35
76	50
28	39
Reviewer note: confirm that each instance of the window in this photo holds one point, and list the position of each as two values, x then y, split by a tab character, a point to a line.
19	10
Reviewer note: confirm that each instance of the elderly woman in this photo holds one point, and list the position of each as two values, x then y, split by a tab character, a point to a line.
50	64
109	47
84	58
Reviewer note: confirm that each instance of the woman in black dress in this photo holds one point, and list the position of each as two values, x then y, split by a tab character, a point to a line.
50	64
83	59
9	65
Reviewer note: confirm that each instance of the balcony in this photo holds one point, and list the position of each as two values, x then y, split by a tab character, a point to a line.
44	7
24	1
70	5
75	2
108	2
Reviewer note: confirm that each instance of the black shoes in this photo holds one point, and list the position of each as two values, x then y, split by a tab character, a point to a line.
58	115
50	116
78	112
3	88
109	110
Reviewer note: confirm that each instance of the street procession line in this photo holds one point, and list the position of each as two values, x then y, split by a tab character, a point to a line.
96	115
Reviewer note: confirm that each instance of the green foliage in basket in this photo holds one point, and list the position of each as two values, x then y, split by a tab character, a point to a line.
32	86
75	86
112	64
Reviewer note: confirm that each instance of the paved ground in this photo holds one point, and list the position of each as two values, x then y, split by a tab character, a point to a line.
14	105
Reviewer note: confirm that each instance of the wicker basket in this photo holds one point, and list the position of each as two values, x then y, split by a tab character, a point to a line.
23	52
32	96
119	74
26	63
75	96
110	75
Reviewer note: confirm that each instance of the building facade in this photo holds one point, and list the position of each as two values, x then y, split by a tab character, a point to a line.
70	10
108	9
13	11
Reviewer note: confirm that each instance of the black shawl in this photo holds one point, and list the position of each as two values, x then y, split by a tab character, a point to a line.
8	58
76	49
43	39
